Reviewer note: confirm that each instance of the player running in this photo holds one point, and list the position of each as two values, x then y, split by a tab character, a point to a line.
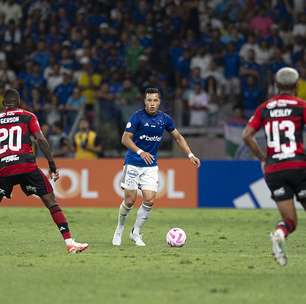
18	165
282	117
142	137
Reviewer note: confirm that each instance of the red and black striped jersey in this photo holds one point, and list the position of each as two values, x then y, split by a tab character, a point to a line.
282	118
16	154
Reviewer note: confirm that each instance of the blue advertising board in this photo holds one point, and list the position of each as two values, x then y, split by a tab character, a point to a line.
233	184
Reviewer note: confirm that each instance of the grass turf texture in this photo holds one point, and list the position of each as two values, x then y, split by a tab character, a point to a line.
227	259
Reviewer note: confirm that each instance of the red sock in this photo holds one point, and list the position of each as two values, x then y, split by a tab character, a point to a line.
287	226
60	220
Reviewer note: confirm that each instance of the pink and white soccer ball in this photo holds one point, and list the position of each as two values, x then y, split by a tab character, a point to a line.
176	237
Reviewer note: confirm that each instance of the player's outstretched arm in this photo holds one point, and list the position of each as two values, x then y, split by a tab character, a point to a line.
182	143
248	137
44	147
127	141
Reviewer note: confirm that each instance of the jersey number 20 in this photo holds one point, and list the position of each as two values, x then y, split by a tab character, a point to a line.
14	135
273	131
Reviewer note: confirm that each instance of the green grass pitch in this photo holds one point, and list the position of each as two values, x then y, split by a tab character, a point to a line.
227	259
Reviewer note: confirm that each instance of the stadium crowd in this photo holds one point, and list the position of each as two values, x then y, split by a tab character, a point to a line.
212	60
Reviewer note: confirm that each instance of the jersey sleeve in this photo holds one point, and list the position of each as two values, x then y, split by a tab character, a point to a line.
132	124
169	125
255	121
34	124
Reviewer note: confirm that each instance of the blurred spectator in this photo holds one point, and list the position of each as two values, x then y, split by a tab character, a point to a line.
251	95
198	105
59	141
75	103
64	90
11	10
86	142
6	74
89	80
301	90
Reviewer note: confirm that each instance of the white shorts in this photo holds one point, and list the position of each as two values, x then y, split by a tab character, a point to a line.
143	178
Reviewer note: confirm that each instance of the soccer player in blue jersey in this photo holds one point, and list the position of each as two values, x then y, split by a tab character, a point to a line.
142	137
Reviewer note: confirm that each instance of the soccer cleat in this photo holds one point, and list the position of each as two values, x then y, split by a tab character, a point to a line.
278	252
137	239
76	247
117	238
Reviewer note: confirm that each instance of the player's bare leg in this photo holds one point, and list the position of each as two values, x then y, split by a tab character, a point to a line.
142	216
62	224
283	229
126	206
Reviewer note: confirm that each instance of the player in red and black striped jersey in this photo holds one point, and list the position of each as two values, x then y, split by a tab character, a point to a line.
282	117
18	165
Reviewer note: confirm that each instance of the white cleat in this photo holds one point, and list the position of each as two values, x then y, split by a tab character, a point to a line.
137	239
278	252
117	239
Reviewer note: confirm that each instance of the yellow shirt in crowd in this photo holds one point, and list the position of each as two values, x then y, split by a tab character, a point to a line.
82	138
86	81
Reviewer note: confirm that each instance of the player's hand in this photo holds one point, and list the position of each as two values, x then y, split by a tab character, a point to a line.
54	175
195	161
147	157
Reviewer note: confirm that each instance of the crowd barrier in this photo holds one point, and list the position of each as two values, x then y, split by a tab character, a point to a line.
216	184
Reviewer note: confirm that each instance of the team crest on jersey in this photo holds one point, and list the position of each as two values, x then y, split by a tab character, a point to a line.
132	173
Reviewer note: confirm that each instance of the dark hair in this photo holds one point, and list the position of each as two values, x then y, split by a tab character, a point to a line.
152	91
11	97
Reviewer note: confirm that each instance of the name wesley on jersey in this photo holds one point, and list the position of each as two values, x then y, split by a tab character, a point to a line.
280	112
9	120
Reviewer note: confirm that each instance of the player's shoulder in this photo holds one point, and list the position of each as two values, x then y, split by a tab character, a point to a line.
164	115
27	113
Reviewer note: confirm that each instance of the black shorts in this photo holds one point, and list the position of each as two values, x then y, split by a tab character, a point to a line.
287	183
34	182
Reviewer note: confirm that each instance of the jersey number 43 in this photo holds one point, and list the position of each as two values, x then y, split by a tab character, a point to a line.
281	138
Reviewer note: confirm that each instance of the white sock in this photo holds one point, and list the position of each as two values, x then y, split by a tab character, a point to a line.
142	216
123	213
69	242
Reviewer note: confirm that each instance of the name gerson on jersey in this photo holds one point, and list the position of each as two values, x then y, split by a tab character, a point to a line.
282	118
16	154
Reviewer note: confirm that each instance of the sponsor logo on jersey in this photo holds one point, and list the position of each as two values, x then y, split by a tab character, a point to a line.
280	112
10	158
9	120
280	103
150	138
146	124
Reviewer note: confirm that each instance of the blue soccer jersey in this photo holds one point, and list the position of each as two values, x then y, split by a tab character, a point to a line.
147	135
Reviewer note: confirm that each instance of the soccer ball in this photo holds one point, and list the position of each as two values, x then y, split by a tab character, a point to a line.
176	237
